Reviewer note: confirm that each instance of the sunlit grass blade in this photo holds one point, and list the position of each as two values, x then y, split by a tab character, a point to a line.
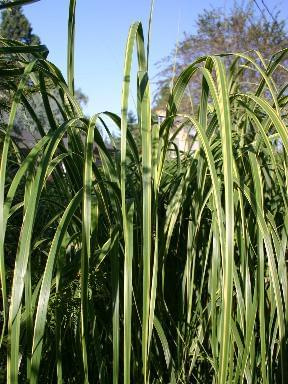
86	247
70	49
128	296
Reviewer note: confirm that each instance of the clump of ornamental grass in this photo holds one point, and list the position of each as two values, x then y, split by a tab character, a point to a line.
146	264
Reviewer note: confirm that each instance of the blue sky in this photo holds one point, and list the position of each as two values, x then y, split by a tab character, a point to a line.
101	31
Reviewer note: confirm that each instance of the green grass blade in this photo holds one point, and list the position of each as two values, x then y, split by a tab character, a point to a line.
128	296
70	49
86	246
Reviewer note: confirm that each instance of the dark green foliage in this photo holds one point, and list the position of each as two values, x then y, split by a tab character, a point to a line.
16	26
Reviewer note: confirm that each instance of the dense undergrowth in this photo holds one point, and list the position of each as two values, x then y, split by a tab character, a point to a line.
145	263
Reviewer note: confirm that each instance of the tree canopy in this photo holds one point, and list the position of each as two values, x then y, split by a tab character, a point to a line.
16	26
242	29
